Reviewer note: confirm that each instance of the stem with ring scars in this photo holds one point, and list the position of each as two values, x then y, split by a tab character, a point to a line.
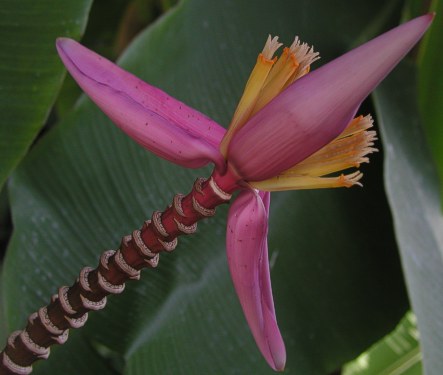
70	306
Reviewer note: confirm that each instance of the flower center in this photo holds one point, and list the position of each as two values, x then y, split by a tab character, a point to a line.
272	75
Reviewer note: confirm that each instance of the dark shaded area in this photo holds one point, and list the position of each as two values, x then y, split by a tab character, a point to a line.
5	222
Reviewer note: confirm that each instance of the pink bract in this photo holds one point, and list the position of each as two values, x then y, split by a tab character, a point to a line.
247	252
160	123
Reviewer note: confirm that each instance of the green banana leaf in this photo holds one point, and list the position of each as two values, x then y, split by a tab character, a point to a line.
396	354
30	71
412	187
430	87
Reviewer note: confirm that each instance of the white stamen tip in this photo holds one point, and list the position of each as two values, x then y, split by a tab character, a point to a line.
271	46
352	179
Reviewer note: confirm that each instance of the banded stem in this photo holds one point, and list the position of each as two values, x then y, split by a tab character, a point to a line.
70	306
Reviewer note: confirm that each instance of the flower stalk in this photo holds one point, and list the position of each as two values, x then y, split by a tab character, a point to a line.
70	306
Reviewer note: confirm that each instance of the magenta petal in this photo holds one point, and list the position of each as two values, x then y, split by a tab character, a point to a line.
160	123
247	252
315	109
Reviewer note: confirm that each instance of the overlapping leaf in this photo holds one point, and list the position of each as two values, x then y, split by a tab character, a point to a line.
412	187
431	87
397	353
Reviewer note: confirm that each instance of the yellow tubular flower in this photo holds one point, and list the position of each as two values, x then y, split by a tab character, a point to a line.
269	77
257	79
348	150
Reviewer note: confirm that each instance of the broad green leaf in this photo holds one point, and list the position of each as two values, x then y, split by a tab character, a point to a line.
337	281
430	87
396	354
30	72
412	188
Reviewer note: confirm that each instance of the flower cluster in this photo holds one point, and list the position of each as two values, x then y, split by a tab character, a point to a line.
292	129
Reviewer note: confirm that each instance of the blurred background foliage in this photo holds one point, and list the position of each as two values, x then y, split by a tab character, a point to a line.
357	273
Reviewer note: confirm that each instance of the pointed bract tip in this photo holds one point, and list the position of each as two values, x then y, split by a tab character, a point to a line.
63	43
60	40
425	18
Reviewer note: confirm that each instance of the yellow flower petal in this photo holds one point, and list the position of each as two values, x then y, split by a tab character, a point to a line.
285	182
281	72
292	64
346	151
305	55
253	87
268	78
